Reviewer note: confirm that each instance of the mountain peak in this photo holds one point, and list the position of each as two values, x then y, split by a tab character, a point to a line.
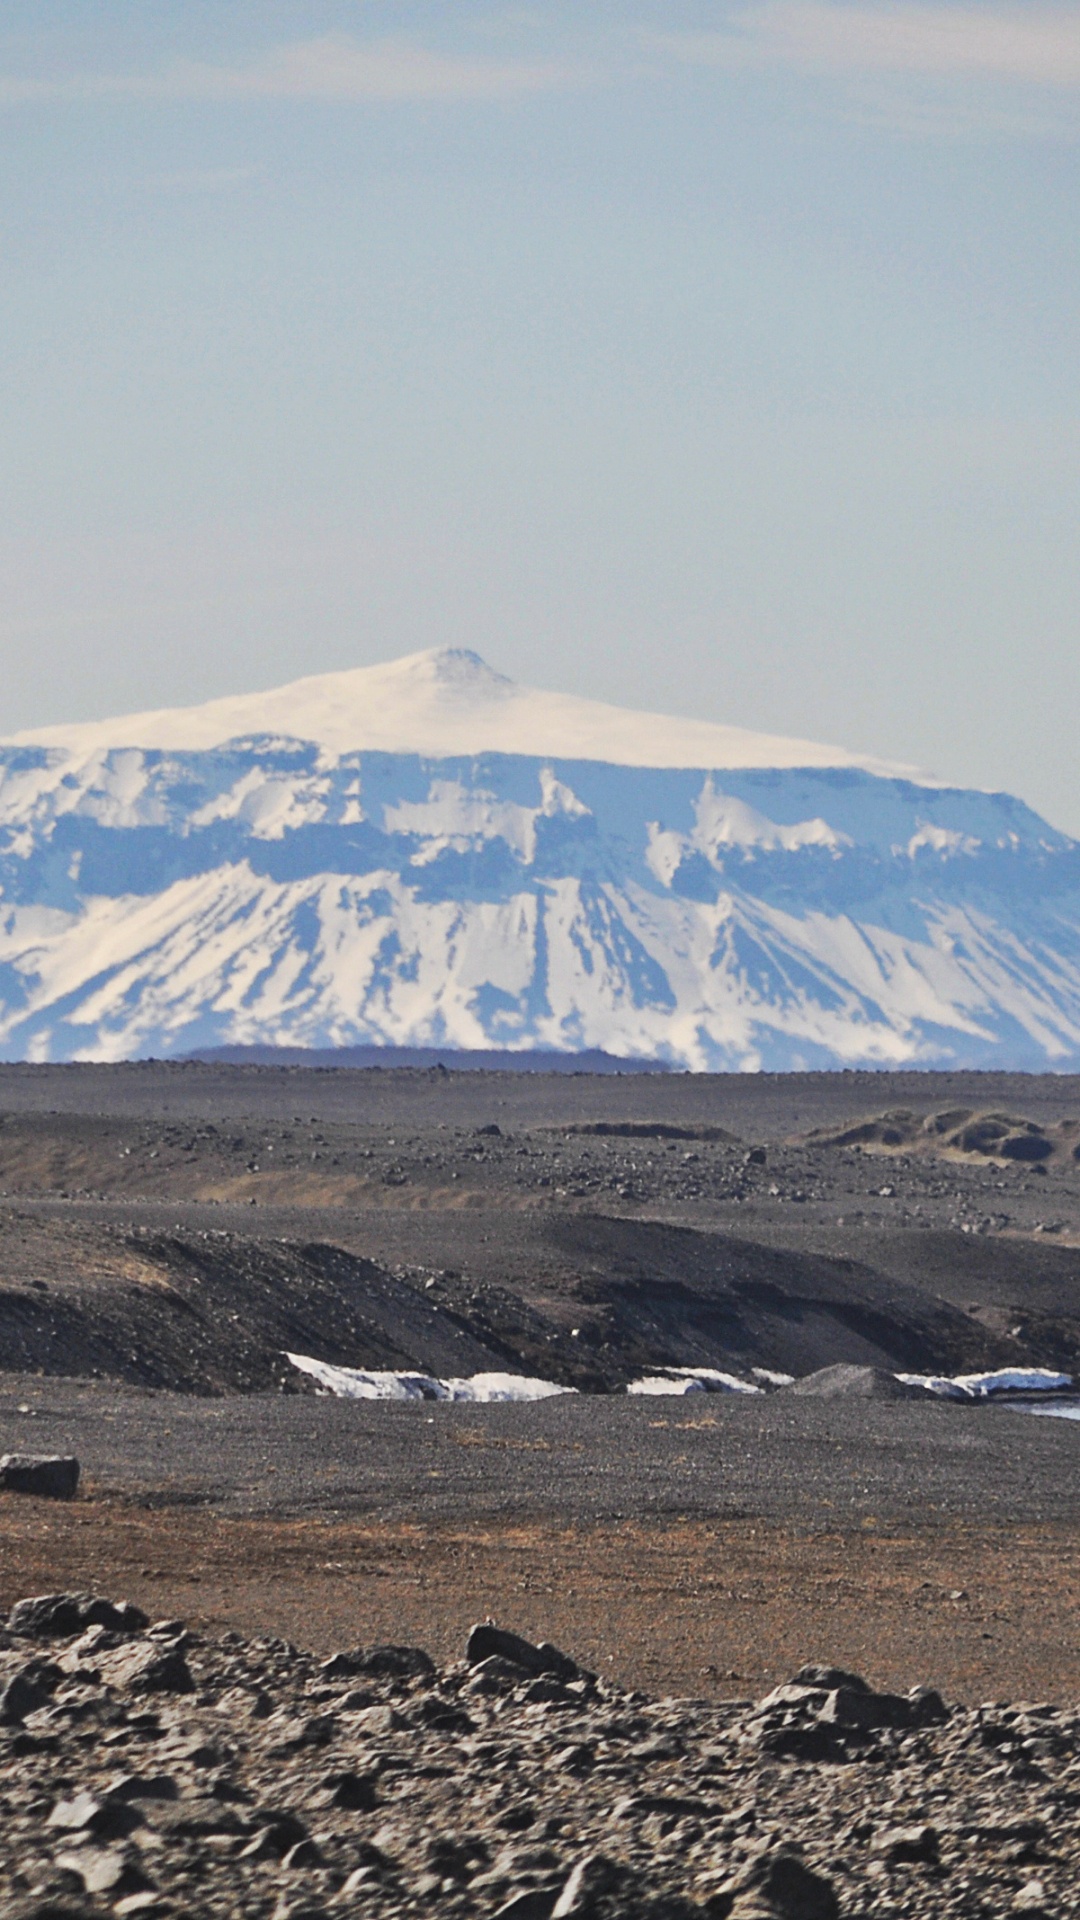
460	668
445	702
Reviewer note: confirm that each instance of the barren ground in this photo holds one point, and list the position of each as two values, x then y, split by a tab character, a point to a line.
167	1231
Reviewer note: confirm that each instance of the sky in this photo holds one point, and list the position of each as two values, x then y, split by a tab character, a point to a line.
714	358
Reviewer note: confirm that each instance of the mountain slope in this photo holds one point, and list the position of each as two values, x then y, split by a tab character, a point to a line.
276	890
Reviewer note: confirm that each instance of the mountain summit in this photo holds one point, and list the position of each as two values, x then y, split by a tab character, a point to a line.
447	701
425	854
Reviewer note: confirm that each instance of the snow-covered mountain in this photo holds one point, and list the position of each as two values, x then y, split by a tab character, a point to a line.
423	854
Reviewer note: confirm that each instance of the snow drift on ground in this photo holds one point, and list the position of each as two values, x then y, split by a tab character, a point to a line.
680	1380
424	855
355	1383
984	1386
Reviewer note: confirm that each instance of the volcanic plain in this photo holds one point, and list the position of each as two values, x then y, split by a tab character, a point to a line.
170	1231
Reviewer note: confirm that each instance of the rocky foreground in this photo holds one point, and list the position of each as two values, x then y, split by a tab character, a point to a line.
146	1770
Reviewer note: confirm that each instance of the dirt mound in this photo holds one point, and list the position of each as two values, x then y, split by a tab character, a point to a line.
858	1383
184	1224
214	1312
588	1300
649	1294
954	1130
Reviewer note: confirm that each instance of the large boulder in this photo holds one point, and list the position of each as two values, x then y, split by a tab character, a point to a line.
52	1476
55	1616
487	1640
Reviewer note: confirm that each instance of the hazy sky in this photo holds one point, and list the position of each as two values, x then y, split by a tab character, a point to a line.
717	358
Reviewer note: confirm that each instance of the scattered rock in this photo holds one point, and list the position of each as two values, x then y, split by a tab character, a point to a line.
596	1886
831	1678
396	1663
781	1887
534	1903
487	1641
909	1845
354	1792
146	1667
24	1693
377	1720
52	1476
104	1870
54	1616
552	1798
49	1906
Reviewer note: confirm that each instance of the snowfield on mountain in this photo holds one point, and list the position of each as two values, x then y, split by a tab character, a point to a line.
424	854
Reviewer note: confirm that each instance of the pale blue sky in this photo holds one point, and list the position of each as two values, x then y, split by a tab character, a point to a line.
717	358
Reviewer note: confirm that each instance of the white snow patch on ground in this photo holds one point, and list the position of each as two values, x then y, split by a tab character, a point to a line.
358	1383
983	1386
363	1383
693	1380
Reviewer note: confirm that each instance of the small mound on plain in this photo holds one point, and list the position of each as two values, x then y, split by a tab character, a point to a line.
844	1382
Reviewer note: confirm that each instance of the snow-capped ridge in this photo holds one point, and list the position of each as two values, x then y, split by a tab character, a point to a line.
446	701
252	873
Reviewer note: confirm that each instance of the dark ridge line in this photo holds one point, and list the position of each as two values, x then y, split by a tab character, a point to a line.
449	1059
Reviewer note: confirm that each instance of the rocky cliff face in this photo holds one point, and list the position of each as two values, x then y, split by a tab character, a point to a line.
278	890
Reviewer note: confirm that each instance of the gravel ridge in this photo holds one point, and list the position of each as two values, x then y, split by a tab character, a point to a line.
147	1770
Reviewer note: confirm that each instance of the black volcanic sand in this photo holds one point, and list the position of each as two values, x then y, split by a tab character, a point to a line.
167	1231
183	1225
586	1460
765	1106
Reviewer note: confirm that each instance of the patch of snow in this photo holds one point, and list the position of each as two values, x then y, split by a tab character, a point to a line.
456	818
270	807
663	1383
724	824
983	1386
943	840
680	1380
358	1383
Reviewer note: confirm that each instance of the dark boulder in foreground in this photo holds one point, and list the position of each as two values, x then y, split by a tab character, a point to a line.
52	1476
56	1616
488	1642
781	1887
846	1382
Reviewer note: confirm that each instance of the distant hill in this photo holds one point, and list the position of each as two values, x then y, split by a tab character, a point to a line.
452	1059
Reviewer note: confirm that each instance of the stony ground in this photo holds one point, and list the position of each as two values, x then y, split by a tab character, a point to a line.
164	1227
182	1226
147	1770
